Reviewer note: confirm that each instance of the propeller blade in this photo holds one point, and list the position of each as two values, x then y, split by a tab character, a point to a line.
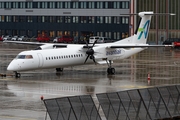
94	59
94	43
86	59
87	44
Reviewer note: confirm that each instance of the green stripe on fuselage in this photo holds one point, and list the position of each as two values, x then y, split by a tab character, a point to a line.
140	29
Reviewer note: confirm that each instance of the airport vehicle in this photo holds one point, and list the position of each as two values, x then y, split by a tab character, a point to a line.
14	38
7	37
93	39
51	55
65	39
1	38
170	41
22	38
105	40
43	38
55	40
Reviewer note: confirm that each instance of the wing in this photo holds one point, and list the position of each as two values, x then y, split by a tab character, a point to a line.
40	44
137	46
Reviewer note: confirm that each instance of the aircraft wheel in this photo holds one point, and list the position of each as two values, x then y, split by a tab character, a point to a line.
59	69
111	71
18	75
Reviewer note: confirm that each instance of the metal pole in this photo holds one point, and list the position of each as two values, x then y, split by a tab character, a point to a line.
157	1
167	19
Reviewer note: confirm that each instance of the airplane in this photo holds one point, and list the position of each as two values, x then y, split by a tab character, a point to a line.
53	55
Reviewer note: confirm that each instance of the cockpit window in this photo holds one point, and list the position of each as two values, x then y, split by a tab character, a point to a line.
24	57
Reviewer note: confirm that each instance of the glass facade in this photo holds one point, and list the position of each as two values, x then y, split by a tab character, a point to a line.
162	27
57	25
67	5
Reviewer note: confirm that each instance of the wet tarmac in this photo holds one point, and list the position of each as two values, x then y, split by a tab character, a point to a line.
20	97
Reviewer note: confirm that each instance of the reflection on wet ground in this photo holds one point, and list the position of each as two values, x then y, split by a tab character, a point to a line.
20	98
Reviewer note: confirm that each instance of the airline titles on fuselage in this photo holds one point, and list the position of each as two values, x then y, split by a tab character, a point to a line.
113	52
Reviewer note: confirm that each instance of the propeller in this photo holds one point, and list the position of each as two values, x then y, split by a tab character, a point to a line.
90	52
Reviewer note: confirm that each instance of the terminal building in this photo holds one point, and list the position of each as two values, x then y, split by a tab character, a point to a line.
65	17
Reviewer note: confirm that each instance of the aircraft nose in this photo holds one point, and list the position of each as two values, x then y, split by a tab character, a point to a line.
10	67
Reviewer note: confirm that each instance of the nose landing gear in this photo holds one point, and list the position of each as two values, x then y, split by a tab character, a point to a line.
17	75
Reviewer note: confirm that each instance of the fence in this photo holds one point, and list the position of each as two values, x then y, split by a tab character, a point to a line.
138	104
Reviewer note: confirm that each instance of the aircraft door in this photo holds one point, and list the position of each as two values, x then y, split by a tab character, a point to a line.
40	60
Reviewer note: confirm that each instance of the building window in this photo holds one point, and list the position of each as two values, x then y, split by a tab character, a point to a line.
15	19
116	5
99	19
83	19
38	5
29	19
1	4
75	19
75	5
22	5
83	5
8	18
2	18
107	19
51	4
44	18
67	19
91	19
116	20
52	33
59	5
8	5
30	33
99	5
59	33
29	5
22	18
91	5
59	19
44	5
67	5
15	4
39	19
125	5
125	20
52	19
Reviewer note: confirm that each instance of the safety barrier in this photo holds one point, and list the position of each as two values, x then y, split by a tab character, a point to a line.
138	104
72	108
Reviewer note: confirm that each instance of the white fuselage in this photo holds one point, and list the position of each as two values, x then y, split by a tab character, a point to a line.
63	57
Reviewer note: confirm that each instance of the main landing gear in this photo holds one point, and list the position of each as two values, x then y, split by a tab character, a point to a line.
59	69
17	75
110	70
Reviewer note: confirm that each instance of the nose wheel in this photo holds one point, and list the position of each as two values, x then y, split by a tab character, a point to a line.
17	75
59	69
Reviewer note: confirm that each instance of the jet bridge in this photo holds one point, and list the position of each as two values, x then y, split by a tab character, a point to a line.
138	104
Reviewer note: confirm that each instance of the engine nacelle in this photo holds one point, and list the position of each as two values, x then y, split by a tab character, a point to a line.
50	46
46	46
